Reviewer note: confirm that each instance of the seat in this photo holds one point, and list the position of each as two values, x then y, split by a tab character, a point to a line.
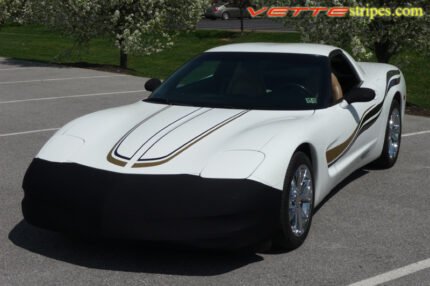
336	89
247	80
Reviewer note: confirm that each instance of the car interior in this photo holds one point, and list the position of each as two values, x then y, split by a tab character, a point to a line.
343	76
336	89
280	83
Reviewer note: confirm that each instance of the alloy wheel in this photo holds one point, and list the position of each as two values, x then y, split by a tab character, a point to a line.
300	200
394	133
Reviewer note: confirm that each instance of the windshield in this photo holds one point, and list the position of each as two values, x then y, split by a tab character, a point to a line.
249	81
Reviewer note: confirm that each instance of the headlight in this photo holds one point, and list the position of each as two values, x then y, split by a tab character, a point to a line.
236	164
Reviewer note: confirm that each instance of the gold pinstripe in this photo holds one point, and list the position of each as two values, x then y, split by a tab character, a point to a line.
336	152
207	133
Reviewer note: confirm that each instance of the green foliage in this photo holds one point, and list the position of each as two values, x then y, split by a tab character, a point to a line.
11	11
382	37
136	26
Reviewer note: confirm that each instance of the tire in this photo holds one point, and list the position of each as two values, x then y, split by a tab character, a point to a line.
225	16
292	234
392	139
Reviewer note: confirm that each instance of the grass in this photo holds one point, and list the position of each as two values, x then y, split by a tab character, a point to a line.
417	74
40	44
37	43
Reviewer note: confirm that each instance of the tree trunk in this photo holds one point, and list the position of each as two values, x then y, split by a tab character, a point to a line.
123	59
382	52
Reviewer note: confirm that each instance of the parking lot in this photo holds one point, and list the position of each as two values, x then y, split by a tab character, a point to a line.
376	222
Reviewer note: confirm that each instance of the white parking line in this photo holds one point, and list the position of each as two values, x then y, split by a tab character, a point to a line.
394	274
60	79
416	133
71	96
28	132
16	69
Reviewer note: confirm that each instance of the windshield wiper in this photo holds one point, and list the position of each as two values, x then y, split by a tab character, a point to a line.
169	102
158	100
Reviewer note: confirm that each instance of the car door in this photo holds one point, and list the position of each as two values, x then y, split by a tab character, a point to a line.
354	132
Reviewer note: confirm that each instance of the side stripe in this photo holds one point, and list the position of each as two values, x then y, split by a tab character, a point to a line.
393	82
368	119
337	152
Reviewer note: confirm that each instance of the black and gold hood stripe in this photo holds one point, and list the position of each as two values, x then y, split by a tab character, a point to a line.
119	160
115	158
141	163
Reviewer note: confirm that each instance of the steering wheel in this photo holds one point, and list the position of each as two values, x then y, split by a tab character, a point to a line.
300	88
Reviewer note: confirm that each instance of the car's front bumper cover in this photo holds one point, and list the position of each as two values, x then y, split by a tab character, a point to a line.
191	210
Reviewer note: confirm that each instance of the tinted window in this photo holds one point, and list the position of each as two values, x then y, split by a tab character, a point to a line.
344	71
250	81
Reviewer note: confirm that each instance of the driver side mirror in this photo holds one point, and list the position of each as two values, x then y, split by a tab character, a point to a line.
360	94
152	84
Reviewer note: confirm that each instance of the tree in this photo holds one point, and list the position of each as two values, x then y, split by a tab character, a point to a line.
3	12
11	10
146	27
383	37
136	26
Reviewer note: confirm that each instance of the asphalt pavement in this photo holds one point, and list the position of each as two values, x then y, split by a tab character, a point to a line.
373	223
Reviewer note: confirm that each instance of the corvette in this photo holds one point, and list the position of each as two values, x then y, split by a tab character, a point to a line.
237	147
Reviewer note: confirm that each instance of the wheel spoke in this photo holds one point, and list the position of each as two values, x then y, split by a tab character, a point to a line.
396	127
306	194
304	219
299	219
303	175
306	211
294	191
292	213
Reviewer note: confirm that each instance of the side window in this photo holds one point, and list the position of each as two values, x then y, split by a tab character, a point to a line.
344	71
204	71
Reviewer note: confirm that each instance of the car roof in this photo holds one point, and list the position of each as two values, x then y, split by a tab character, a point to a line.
311	49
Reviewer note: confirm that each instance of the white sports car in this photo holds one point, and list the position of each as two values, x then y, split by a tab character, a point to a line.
237	147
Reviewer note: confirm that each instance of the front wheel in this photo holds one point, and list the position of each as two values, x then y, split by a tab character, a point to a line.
297	203
392	139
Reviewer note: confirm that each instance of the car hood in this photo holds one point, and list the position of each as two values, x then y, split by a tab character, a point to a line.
164	139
